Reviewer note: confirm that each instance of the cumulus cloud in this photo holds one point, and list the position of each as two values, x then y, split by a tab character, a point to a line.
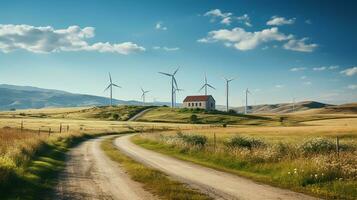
279	86
300	45
278	21
350	71
47	39
243	40
226	18
160	26
245	19
352	87
296	69
166	48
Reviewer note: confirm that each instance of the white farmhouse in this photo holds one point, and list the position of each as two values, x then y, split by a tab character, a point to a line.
206	102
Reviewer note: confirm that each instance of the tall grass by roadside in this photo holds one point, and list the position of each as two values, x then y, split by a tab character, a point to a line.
308	165
30	163
154	181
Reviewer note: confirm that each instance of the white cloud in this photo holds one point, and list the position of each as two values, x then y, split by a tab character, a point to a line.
303	77
323	68
244	40
352	87
278	21
296	69
319	68
160	26
300	45
166	48
217	13
350	71
47	40
245	20
307	83
279	86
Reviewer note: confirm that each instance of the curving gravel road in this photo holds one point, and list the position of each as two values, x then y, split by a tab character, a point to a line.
90	174
218	184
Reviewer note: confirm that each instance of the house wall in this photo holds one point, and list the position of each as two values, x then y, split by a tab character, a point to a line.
208	105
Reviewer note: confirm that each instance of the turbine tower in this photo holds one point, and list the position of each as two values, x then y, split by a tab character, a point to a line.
173	84
205	85
246	101
227	91
110	86
176	90
144	94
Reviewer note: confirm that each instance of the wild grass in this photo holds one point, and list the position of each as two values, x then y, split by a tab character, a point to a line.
309	164
153	180
30	162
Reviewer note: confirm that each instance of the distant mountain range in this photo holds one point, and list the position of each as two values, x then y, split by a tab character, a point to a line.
24	97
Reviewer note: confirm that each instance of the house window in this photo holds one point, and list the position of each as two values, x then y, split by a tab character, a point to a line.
200	104
189	104
196	104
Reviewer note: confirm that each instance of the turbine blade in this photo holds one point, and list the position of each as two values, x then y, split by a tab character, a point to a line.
165	74
210	86
176	71
142	90
202	87
175	81
110	78
116	85
107	87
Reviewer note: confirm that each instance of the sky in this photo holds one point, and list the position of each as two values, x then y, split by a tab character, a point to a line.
280	50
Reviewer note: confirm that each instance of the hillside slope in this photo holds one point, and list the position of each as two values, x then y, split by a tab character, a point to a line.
283	107
350	108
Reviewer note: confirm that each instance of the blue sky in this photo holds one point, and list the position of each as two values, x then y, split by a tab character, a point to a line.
279	50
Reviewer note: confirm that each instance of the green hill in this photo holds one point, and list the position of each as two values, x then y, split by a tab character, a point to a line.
182	115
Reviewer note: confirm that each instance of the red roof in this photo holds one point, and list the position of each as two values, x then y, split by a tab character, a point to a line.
197	98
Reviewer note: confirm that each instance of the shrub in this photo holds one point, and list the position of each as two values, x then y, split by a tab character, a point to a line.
116	116
196	140
231	111
243	142
317	145
193	118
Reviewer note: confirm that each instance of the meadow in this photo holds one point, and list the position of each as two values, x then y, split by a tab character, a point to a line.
302	158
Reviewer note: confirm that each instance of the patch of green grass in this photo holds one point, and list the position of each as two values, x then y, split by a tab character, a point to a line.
183	115
153	180
273	173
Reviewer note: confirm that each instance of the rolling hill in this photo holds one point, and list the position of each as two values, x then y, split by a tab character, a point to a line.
350	108
25	97
282	108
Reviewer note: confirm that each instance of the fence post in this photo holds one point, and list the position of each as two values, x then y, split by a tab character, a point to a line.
60	128
22	125
39	131
337	145
67	128
214	140
49	132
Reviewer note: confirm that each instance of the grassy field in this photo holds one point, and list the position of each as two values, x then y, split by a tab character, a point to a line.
179	115
153	180
114	113
301	158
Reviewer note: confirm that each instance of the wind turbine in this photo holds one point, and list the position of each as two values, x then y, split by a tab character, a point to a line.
205	85
173	84
110	86
246	100
227	91
144	94
175	92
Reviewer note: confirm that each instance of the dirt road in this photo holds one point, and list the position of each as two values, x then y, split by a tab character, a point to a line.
219	184
90	174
